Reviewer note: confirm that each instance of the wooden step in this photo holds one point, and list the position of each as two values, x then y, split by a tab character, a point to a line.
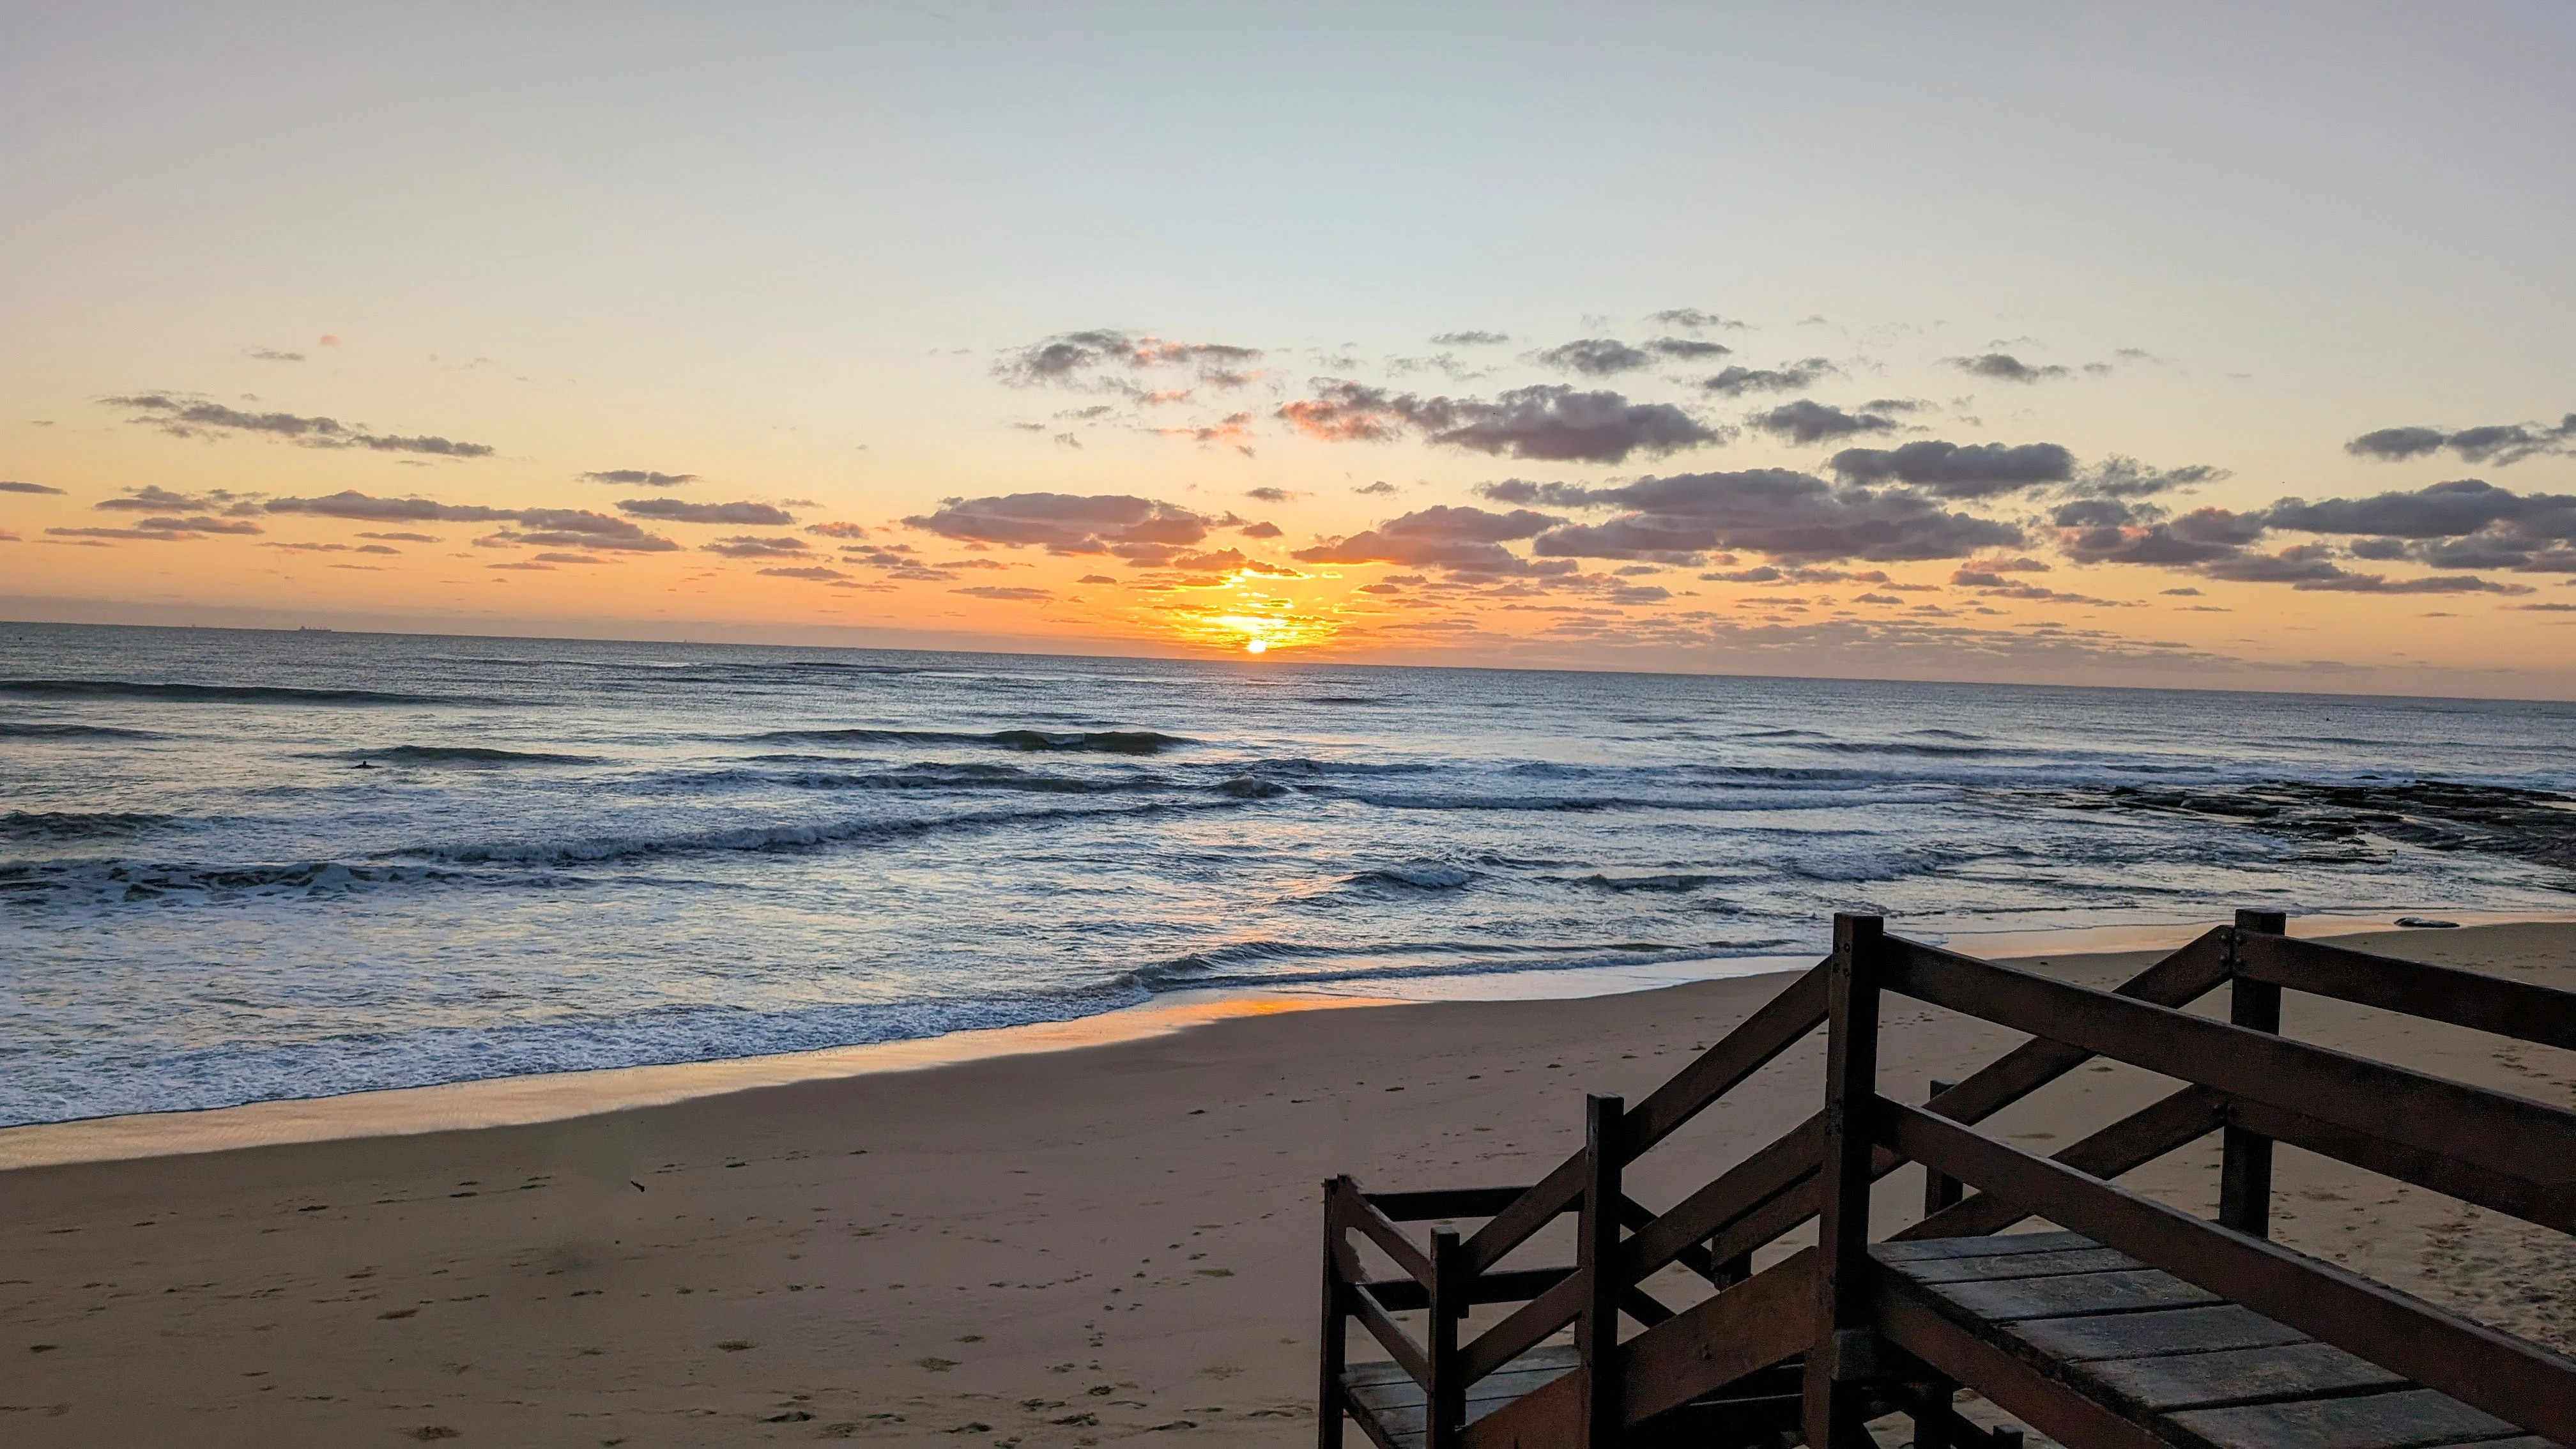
2157	1353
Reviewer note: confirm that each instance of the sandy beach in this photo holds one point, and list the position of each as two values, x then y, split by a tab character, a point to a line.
1064	1248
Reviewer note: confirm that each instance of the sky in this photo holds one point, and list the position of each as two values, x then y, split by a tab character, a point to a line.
2221	346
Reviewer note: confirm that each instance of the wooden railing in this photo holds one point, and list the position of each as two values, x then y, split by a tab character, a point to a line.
2242	1078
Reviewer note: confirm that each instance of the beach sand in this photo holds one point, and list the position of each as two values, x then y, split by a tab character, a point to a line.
1065	1248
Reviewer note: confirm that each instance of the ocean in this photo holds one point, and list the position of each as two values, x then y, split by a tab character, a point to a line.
238	865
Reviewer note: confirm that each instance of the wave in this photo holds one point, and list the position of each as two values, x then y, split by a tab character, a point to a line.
1106	742
1672	883
1421	875
74	825
210	693
35	730
755	838
464	755
1241	963
120	880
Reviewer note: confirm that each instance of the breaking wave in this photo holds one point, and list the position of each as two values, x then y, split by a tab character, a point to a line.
212	693
1104	742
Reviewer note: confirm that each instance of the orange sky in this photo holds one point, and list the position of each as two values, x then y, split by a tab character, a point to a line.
474	359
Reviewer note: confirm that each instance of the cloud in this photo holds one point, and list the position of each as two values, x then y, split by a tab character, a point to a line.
1597	357
2463	523
351	504
574	527
523	566
1269	495
2503	444
153	498
2004	367
815	572
1691	319
14	487
1687	349
1552	422
195	417
164	530
1782	514
1381	488
1141	530
1077	359
266	354
2123	477
1095	579
997	591
2108	531
1787	377
1233	430
1464	540
639	477
1950	470
403	537
1808	421
675	510
749	546
1259	530
1470	338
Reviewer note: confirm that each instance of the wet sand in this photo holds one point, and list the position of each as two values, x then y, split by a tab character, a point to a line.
1068	1248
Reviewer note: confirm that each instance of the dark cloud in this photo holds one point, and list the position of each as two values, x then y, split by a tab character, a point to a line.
7	486
2463	523
1137	529
153	498
1687	349
403	537
639	478
1259	530
837	529
1787	377
351	504
2122	477
558	558
2004	367
1470	339
675	510
1785	515
1950	470
1079	358
2503	444
1597	356
1552	422
815	572
1380	488
1461	540
1269	495
2108	531
1692	319
1809	421
196	417
164	530
748	546
997	591
581	528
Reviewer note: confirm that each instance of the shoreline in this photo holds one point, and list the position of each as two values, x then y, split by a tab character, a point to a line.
535	1098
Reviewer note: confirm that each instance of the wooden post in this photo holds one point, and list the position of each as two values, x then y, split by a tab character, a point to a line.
2245	1170
1932	1429
1328	1390
1445	1401
1596	1259
1845	1350
1940	1190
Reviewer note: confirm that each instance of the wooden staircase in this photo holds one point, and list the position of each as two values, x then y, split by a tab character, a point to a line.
2136	1324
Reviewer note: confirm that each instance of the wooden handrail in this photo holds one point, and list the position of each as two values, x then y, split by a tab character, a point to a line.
2513	1137
2514	1380
1399	1344
2132	1142
2517	1009
1358	1212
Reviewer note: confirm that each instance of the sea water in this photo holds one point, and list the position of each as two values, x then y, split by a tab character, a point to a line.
239	865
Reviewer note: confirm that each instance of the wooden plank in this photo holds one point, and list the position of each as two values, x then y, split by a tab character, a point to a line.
1334	1331
2474	1363
1555	1195
1774	1027
2245	1156
1717	1341
2406	1420
2511	1136
2173	1382
1546	1418
2517	1009
1399	1345
1995	1267
1452	1202
1907	1318
2141	1335
2074	1295
2532	1202
1522	1328
1778	1167
1933	1249
2133	1141
1596	1271
1403	1295
1358	1213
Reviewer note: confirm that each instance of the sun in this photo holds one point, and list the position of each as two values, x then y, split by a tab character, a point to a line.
1256	646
